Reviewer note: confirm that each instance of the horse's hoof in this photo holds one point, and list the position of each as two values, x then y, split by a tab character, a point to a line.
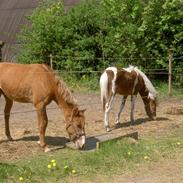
46	149
132	122
108	129
117	124
10	138
151	118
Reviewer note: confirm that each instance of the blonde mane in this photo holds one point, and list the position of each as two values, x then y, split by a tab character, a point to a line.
152	92
63	90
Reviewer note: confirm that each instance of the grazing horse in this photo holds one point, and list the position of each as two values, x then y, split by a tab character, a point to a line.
126	81
37	84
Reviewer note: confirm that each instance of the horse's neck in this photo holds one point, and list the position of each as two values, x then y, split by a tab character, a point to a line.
65	106
64	99
144	94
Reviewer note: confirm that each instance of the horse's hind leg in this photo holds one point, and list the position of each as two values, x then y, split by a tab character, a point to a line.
107	110
7	110
121	109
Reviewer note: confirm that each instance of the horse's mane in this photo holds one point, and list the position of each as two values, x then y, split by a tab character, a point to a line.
147	82
63	90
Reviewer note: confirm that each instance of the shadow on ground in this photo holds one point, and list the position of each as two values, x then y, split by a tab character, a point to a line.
139	122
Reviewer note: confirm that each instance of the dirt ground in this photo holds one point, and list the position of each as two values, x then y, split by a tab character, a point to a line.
23	123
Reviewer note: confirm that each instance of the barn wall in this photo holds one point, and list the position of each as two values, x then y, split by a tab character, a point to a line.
12	18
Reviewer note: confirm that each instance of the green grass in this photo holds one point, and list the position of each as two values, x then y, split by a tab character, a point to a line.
117	156
162	89
85	83
91	84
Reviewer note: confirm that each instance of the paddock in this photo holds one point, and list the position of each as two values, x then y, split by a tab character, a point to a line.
23	123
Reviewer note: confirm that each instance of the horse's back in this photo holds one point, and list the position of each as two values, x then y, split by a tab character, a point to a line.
23	82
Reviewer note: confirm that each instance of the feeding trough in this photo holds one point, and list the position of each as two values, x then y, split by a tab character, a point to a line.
94	142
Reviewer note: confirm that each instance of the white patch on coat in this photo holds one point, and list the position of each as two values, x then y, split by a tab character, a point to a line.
104	86
152	92
114	70
130	69
135	83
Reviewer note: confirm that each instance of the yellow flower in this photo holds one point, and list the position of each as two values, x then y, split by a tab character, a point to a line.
53	161
49	166
129	153
54	164
73	171
21	178
178	143
146	157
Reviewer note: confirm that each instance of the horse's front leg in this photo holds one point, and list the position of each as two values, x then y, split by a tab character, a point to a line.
133	98
7	109
107	110
123	101
42	124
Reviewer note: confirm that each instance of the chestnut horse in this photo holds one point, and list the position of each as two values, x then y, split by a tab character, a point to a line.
126	81
37	84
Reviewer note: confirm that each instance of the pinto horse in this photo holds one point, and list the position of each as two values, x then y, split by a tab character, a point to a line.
37	84
126	81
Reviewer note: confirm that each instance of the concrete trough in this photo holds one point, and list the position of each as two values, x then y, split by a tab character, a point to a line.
94	142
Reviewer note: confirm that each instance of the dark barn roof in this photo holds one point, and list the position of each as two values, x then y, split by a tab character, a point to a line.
12	17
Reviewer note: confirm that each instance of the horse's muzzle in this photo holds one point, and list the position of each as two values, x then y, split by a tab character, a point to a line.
80	142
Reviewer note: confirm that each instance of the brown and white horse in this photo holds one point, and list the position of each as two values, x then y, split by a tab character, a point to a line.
37	84
126	81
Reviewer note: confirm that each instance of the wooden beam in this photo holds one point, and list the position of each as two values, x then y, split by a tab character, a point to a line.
94	142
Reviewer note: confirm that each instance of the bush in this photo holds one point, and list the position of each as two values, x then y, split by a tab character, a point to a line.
95	34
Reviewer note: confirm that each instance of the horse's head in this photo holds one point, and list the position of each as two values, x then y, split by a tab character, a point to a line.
153	103
76	128
150	107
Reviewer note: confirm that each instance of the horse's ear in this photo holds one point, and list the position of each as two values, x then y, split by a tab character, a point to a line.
81	112
75	111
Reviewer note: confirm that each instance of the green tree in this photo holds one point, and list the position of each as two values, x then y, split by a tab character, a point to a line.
96	34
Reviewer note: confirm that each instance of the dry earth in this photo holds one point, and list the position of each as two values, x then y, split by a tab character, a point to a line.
23	127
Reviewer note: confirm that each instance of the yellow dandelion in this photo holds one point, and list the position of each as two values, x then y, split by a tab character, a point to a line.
49	166
21	178
73	171
54	164
53	161
129	153
146	157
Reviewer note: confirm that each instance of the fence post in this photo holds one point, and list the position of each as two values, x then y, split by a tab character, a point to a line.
170	72
1	46
51	61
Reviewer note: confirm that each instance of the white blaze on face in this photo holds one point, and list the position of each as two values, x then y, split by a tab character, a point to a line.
80	142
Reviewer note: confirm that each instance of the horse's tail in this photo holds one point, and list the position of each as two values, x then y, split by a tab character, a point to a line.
104	88
148	84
